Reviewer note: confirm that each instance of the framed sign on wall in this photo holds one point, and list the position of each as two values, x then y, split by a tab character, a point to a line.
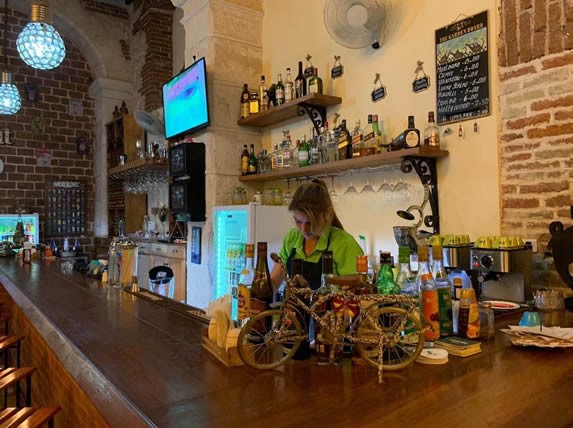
65	208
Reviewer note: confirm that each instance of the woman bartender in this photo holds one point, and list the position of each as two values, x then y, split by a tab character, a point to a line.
317	229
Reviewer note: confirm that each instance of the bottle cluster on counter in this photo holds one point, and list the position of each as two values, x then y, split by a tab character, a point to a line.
331	145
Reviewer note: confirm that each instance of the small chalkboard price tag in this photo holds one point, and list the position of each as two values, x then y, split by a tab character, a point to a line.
338	69
308	68
379	91
421	79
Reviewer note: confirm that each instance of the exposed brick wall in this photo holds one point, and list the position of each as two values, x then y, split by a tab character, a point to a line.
155	22
22	184
105	8
536	103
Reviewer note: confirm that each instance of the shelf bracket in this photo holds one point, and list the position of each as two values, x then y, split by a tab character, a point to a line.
317	114
426	170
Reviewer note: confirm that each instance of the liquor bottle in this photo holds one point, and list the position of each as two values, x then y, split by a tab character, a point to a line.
444	291
294	154
408	139
303	153
322	137
280	90
469	325
432	132
286	151
300	83
385	283
382	142
357	138
331	147
263	95
428	295
261	287
244	287
315	83
314	150
254	104
344	142
252	160
278	156
245	98
405	279
322	340
289	87
274	157
369	144
245	160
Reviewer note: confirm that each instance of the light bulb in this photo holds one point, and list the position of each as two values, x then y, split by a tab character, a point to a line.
39	44
10	102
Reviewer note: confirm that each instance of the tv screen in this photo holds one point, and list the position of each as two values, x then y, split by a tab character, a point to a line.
185	106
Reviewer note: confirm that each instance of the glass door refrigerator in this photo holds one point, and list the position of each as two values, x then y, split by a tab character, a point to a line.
237	225
30	222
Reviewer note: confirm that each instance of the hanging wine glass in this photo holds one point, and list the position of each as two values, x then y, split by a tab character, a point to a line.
287	196
367	187
351	190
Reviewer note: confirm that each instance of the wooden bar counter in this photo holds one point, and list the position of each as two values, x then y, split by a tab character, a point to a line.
139	363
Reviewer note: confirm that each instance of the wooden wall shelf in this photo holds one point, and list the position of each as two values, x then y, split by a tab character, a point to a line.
335	168
290	110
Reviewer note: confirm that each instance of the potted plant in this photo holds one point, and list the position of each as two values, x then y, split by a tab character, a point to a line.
239	195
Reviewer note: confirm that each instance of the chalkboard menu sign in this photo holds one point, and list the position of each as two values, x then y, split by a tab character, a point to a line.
65	208
462	70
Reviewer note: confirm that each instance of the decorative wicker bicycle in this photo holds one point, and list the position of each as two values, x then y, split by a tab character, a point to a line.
386	331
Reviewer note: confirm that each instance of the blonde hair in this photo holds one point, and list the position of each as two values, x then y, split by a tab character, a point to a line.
313	200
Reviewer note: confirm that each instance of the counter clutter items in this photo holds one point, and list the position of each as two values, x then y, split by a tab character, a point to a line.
543	337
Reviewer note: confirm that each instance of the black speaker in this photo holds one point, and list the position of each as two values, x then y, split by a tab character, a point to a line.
187	187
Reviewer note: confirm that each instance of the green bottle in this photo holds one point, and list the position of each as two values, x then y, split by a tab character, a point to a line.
385	283
303	153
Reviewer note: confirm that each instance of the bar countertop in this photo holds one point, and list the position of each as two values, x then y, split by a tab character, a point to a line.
142	364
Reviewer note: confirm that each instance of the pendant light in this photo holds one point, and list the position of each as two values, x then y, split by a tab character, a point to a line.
39	44
9	97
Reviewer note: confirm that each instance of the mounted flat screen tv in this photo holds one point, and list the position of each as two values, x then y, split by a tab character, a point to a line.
185	105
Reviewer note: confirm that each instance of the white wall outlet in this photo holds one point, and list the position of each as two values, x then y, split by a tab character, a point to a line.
532	242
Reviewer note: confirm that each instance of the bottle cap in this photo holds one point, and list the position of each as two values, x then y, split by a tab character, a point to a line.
385	257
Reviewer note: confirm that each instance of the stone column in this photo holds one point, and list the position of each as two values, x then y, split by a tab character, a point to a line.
107	94
228	33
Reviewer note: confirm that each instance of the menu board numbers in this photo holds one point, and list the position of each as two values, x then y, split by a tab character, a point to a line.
462	70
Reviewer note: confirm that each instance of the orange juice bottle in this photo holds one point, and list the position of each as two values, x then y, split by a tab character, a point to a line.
429	304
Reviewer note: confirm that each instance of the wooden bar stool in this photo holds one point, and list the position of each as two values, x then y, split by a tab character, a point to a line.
8	342
12	376
27	417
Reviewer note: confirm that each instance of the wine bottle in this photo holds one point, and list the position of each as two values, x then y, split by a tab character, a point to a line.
244	287
357	139
315	83
303	153
263	95
245	98
245	160
385	283
407	139
261	287
300	83
289	87
322	338
369	143
252	160
280	90
432	132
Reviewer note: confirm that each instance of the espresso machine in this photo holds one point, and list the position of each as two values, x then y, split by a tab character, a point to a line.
502	273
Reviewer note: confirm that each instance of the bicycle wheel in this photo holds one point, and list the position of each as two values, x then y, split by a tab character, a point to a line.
269	339
400	332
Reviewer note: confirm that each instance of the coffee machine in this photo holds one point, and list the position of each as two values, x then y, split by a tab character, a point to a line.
502	273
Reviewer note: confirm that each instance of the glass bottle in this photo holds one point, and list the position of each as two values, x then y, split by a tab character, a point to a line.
303	153
252	160
294	154
286	150
300	83
432	132
303	351
428	295
263	95
278	156
322	340
406	280
314	151
385	283
245	98
315	83
331	147
261	287
289	87
344	142
444	291
370	144
280	90
240	309
245	160
357	139
411	134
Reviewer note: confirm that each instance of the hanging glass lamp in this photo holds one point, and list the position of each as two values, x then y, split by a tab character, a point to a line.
10	101
39	44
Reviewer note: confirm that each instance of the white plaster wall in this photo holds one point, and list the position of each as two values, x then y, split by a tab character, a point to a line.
468	179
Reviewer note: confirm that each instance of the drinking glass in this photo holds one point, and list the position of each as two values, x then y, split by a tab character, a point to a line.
367	187
287	196
351	190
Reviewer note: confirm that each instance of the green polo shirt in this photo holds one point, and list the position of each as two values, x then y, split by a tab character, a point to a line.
343	246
